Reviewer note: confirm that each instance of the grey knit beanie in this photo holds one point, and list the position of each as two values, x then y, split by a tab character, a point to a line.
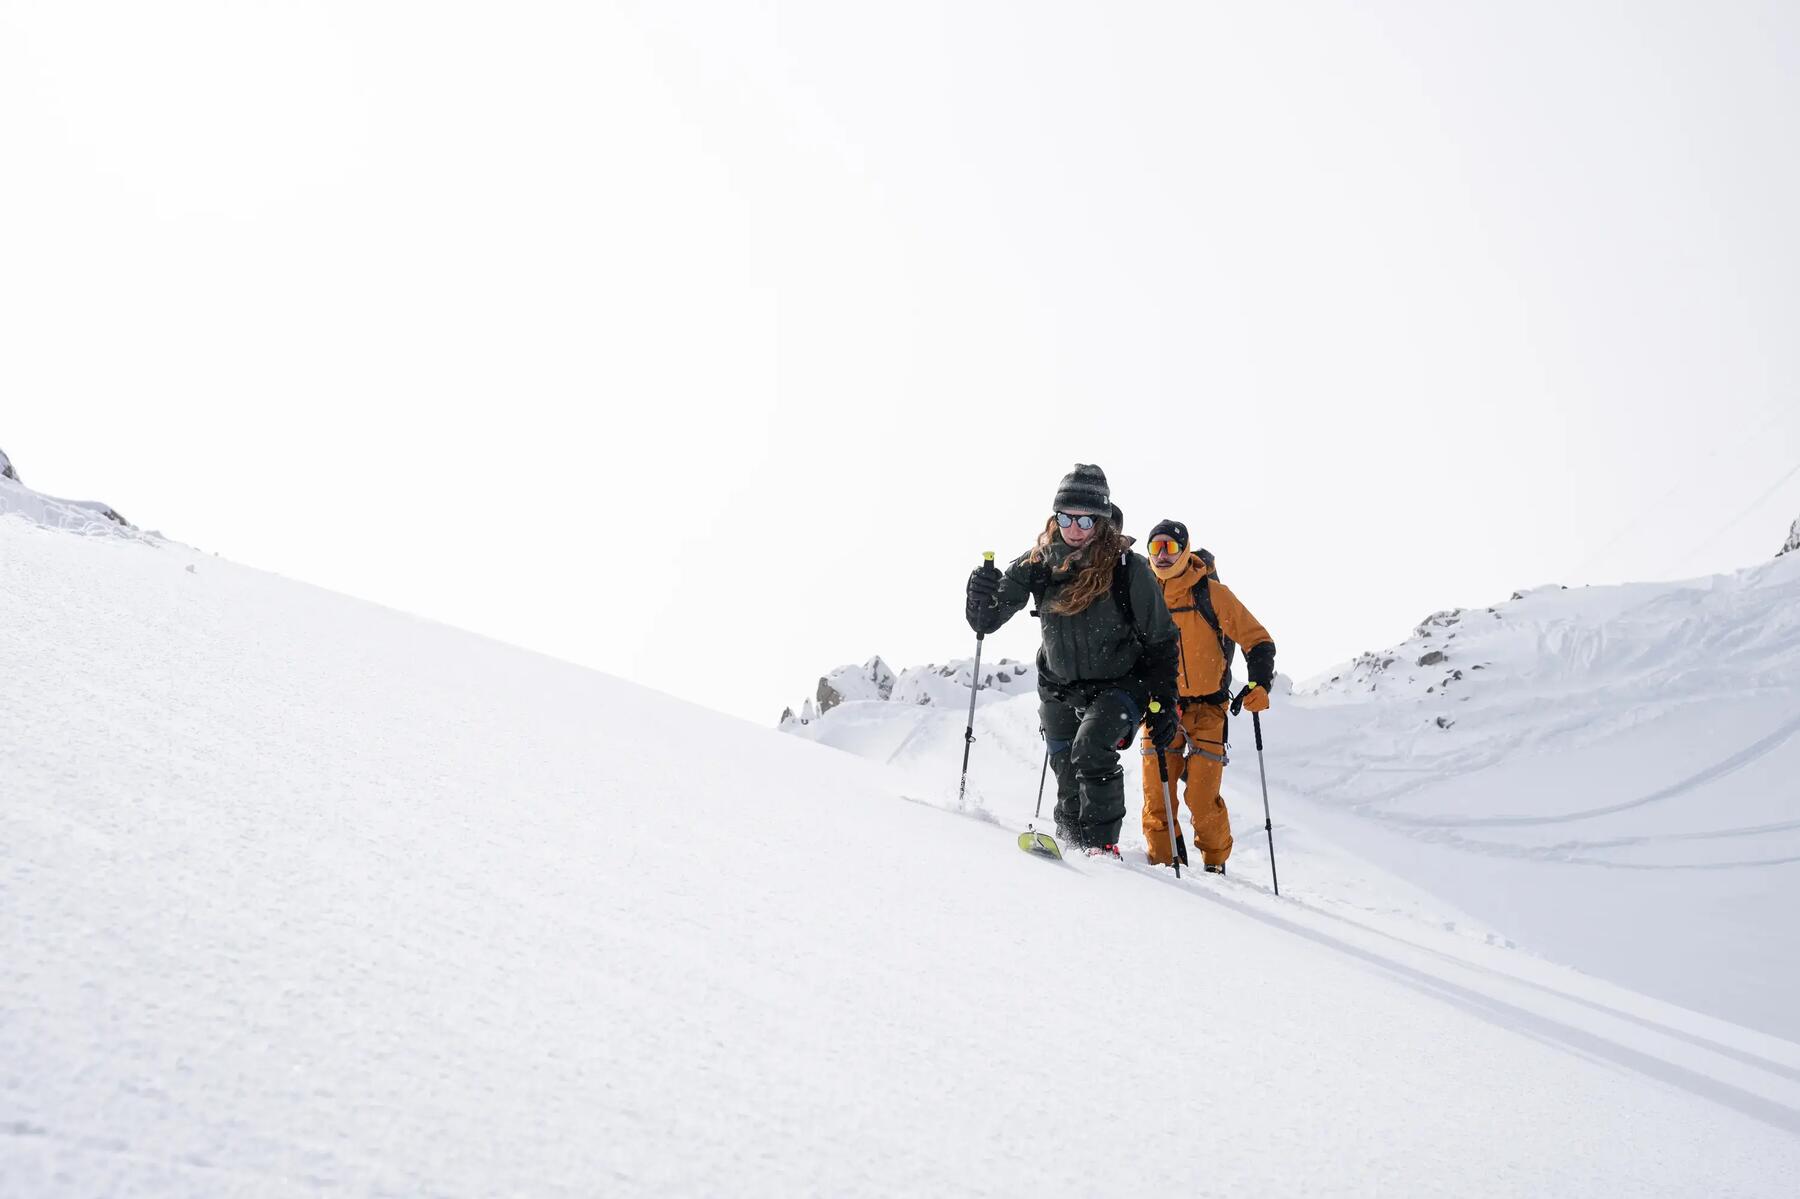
1083	487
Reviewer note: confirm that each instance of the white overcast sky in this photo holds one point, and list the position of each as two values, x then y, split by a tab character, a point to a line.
710	344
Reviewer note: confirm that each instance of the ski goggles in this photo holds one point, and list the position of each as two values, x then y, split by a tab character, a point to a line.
1165	545
1084	521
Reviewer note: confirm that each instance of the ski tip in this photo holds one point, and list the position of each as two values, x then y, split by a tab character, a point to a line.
1041	844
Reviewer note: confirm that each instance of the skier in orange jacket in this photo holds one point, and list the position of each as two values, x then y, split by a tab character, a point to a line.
1213	624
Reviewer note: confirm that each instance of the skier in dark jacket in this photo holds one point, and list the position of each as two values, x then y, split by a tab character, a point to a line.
1109	648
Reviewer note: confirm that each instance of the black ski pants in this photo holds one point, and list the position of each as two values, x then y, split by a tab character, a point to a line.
1082	732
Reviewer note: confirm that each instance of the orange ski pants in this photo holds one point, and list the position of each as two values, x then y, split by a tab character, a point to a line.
1195	767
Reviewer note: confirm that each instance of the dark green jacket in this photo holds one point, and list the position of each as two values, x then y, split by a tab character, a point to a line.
1095	644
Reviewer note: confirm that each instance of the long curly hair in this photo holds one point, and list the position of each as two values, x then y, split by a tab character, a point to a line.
1089	569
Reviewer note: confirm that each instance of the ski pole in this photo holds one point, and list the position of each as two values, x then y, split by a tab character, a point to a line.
1188	747
1037	813
1162	768
1268	824
974	686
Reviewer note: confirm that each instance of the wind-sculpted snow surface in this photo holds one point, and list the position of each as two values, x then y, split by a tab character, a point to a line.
75	516
1609	774
306	897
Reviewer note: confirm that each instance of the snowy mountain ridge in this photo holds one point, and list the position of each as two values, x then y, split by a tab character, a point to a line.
1654	629
876	682
86	517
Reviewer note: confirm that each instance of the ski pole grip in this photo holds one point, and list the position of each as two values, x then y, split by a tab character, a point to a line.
1256	722
1162	764
987	563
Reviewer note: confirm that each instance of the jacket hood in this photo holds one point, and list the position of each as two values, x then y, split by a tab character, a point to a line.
1189	569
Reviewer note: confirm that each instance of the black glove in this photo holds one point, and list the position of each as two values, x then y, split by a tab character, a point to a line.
1164	724
982	605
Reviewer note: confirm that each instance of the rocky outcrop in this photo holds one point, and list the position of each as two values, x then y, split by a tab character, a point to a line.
948	684
1793	540
872	680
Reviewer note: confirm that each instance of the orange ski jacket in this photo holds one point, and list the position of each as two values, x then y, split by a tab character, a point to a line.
1205	671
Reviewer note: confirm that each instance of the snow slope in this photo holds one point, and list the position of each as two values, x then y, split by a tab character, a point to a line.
303	896
924	747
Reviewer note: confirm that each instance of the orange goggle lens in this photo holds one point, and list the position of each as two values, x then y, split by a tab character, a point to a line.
1165	545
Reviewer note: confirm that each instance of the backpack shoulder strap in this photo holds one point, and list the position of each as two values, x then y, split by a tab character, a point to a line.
1203	604
1121	592
1040	583
1227	647
1203	599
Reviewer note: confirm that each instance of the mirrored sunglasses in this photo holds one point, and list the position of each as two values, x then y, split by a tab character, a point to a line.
1084	521
1165	545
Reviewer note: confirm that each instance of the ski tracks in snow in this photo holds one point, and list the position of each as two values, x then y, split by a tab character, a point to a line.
1453	830
1729	764
1751	1073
